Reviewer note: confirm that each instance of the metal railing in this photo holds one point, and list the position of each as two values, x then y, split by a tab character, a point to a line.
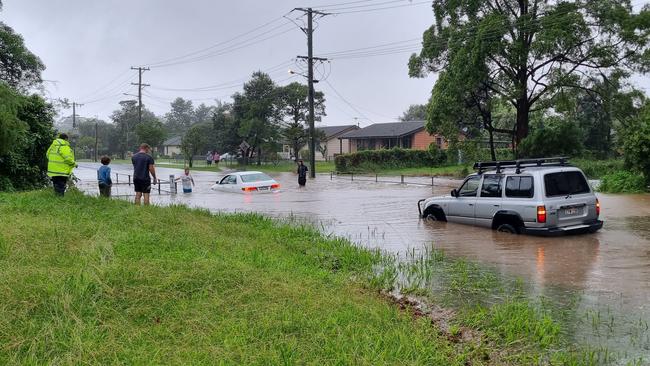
397	179
173	186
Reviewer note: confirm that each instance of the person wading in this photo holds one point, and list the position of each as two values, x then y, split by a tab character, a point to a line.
302	173
143	171
60	162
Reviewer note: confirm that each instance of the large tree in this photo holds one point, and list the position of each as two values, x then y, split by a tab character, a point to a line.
180	117
257	113
19	67
126	121
532	49
294	102
197	141
415	112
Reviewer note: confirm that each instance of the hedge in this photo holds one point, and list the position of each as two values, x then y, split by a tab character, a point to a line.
369	160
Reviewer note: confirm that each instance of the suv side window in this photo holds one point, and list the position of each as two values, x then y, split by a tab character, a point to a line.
491	186
470	187
520	187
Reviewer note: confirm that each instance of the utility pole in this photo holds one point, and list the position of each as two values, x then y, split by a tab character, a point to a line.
96	140
141	70
74	114
310	81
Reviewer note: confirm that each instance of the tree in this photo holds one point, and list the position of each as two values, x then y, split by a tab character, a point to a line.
294	102
636	142
126	121
23	166
151	131
196	141
257	113
415	112
19	67
180	117
225	129
11	127
203	113
532	49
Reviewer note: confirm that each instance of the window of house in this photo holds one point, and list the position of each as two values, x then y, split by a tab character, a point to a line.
439	141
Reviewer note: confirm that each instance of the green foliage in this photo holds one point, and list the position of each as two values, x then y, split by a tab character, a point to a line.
19	67
294	103
126	121
151	131
525	52
556	137
373	160
636	143
197	141
11	127
181	116
23	165
623	181
415	112
596	169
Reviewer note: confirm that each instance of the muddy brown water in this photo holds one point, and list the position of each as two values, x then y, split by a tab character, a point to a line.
610	269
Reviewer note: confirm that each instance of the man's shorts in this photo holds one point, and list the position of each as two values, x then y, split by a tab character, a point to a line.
142	186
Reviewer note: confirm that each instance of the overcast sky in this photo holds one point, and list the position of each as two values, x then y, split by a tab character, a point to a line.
89	46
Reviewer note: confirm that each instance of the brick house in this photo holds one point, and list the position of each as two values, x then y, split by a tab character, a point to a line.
407	135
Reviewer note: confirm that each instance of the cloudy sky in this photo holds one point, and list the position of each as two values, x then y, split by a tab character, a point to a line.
205	49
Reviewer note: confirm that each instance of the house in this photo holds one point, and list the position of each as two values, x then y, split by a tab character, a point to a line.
332	145
407	135
171	147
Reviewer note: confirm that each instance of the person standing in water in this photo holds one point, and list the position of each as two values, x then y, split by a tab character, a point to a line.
188	181
302	173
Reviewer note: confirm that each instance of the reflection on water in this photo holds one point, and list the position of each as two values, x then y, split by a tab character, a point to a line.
610	269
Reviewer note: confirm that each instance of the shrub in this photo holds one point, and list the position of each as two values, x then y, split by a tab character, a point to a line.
636	143
596	169
622	181
371	160
555	137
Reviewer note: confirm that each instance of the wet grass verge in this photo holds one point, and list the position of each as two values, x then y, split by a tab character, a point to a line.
86	280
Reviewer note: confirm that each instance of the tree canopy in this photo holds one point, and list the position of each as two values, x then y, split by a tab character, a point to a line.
525	51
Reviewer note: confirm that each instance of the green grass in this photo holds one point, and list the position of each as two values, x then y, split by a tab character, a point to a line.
89	280
85	280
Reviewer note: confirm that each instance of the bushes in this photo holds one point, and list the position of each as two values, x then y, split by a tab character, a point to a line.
556	137
396	158
596	169
623	181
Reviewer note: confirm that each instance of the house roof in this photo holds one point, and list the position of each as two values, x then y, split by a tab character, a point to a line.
334	131
174	141
383	130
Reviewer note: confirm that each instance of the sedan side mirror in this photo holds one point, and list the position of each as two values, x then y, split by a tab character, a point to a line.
454	193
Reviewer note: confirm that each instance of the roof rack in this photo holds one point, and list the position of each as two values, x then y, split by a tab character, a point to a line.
482	166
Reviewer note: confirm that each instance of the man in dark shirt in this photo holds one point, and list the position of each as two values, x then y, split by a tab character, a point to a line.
302	173
143	166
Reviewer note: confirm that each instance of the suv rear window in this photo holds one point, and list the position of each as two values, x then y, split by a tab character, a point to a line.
565	183
520	187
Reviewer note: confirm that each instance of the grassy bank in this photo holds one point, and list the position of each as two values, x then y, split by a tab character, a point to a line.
85	280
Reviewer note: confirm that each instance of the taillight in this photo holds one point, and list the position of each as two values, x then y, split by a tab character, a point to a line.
275	186
597	207
249	189
541	214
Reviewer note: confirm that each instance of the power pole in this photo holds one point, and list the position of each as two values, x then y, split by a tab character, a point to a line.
74	114
95	140
141	70
310	81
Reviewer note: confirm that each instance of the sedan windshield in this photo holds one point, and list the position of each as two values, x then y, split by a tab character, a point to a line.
255	177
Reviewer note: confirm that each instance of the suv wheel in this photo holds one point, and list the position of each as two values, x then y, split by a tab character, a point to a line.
507	228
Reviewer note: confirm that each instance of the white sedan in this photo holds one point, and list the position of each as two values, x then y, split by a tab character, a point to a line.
244	182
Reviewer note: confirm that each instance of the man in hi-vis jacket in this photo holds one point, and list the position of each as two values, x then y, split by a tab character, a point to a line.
60	162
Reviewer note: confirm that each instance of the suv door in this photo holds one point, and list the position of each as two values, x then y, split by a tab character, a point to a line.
489	200
461	208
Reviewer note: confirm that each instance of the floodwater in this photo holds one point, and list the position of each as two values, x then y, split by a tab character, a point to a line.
610	269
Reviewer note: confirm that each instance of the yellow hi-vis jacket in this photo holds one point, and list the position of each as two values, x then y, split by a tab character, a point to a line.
60	159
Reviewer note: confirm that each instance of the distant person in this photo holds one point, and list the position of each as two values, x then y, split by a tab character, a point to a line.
216	157
208	158
143	171
60	162
187	180
104	178
302	173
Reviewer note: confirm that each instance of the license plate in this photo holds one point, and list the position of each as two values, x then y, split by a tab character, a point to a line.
571	211
263	188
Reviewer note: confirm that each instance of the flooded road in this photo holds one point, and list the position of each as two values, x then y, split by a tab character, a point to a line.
610	269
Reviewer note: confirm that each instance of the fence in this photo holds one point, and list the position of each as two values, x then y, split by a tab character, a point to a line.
393	179
173	187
